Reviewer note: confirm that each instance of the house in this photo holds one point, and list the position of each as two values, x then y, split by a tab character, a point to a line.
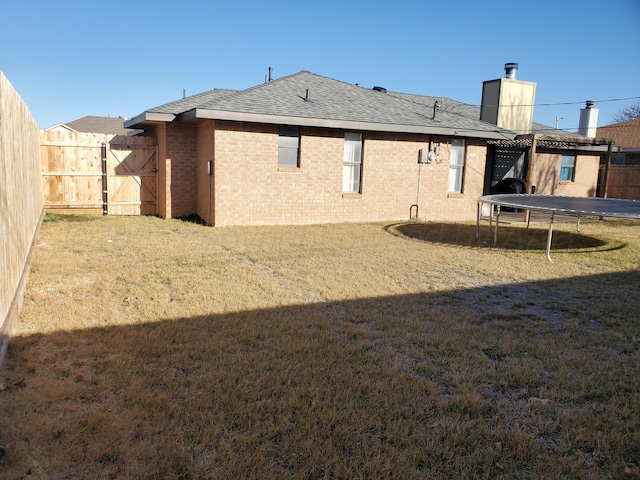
310	149
94	124
627	136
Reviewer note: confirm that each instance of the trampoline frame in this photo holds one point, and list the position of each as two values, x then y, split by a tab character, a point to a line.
552	204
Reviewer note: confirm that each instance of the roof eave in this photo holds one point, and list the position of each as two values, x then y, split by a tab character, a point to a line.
146	118
199	113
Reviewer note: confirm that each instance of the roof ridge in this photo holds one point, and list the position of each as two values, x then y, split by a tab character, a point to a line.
272	82
626	123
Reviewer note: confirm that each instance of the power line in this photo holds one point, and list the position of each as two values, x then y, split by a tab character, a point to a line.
562	103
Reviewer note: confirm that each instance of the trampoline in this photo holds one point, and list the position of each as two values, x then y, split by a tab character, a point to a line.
552	204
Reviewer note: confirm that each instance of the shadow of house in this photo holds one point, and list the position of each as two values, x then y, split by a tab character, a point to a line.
366	385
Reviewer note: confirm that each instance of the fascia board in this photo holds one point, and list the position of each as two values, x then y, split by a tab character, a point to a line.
198	113
147	117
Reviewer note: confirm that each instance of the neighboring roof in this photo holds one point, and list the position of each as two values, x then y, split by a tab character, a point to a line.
92	124
626	134
61	126
307	99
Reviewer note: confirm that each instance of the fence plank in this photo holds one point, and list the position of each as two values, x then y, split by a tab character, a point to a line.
624	182
72	173
21	205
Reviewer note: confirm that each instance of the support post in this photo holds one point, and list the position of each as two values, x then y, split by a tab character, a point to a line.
105	193
605	180
531	162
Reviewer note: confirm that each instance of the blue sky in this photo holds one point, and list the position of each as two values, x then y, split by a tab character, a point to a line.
69	59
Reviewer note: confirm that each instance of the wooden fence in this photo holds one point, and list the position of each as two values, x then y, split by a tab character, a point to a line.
624	181
21	206
98	173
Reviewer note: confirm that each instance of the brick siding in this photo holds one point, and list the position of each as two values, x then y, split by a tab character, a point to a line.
182	149
547	175
250	189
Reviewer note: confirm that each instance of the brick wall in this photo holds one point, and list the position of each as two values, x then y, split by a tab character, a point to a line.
206	192
436	203
181	151
250	189
547	175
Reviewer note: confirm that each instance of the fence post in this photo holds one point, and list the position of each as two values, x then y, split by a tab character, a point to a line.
105	204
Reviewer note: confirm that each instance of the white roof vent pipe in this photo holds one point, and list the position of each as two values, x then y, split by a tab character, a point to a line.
510	70
588	120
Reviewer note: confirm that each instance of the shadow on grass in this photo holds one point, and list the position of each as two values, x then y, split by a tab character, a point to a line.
429	385
509	236
193	218
69	218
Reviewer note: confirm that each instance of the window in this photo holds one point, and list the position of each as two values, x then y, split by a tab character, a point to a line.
568	167
456	165
288	143
352	166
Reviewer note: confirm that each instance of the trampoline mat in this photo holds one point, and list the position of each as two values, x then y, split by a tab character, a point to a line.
600	207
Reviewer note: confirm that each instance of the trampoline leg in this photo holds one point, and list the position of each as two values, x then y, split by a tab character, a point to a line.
578	224
495	232
549	238
491	219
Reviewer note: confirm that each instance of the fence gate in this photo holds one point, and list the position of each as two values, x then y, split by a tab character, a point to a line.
71	170
132	184
98	173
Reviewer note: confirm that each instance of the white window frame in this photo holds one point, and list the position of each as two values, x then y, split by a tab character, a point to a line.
456	165
352	163
568	167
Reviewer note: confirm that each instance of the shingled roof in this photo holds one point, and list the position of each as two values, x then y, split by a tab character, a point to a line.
308	99
93	124
626	134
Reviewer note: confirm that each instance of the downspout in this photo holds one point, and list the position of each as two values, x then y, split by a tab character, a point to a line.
210	173
417	195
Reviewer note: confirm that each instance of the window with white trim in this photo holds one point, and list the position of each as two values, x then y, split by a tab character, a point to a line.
456	165
288	147
568	167
352	164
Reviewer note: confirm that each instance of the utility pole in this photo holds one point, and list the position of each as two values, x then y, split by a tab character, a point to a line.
558	118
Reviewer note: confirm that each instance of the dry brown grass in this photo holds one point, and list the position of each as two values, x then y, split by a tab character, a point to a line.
153	348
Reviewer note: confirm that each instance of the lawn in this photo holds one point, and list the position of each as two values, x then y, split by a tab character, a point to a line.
150	348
